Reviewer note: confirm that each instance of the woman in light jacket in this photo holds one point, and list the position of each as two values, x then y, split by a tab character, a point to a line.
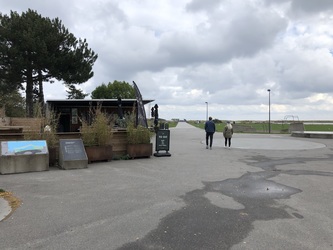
227	133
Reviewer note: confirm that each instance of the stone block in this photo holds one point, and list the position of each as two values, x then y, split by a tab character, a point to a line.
72	154
23	156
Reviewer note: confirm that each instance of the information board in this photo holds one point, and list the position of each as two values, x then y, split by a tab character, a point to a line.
23	147
72	149
162	140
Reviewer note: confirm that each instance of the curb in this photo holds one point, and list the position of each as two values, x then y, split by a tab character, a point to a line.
5	209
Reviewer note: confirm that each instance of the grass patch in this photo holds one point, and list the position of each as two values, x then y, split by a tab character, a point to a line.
172	124
263	127
318	127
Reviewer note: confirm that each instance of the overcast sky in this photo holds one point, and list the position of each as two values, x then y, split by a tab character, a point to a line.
184	53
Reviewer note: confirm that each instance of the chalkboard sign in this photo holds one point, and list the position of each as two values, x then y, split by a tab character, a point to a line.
162	140
72	149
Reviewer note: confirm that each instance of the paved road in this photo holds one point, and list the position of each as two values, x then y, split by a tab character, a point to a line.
265	192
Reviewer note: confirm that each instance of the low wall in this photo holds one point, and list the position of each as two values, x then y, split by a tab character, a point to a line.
28	124
312	134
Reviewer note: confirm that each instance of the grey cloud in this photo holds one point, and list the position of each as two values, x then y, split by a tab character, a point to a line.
251	33
51	9
303	7
238	36
199	5
108	14
311	5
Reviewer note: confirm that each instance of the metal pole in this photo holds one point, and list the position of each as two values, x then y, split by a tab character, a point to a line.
206	111
269	111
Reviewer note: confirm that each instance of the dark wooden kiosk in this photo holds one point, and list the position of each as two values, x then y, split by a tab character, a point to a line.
71	111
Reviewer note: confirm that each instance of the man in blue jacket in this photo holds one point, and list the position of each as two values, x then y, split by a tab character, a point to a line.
210	130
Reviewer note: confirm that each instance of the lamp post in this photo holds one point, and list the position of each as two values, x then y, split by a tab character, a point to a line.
206	111
269	111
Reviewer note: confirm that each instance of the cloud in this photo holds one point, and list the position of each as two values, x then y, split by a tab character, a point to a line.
183	53
304	7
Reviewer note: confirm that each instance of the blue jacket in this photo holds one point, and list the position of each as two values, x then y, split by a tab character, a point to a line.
210	127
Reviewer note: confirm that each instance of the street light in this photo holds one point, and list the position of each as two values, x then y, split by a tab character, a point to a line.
269	110
206	111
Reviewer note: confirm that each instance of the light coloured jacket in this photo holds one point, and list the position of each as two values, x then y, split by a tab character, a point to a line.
228	131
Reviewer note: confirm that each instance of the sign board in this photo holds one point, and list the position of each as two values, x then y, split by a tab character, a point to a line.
162	140
72	154
72	149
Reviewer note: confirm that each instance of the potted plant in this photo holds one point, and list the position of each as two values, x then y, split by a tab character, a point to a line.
96	137
138	142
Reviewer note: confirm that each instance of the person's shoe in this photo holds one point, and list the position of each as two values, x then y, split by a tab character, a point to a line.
206	147
210	148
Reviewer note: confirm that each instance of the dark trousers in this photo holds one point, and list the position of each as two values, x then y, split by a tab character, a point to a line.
209	135
227	140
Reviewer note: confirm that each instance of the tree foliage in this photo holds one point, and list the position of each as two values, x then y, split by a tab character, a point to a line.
13	103
114	90
35	49
74	93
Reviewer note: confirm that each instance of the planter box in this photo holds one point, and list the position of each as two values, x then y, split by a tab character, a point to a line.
139	150
99	153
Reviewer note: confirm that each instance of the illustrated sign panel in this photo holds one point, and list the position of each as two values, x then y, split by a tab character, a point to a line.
72	149
162	140
23	147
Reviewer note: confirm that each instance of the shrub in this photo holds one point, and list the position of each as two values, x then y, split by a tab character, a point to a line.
139	135
99	131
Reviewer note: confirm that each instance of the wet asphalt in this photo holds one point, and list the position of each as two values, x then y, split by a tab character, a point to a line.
265	192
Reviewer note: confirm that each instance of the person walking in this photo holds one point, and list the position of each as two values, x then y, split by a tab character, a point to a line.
227	133
210	130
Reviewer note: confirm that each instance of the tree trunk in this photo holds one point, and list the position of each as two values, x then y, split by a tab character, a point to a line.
29	94
41	91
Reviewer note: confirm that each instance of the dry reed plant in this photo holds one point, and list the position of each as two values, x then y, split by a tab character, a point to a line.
99	131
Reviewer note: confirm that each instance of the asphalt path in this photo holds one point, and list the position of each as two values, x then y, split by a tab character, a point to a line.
265	192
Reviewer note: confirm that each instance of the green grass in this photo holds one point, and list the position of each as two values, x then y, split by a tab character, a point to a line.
172	124
263	127
2	190
318	127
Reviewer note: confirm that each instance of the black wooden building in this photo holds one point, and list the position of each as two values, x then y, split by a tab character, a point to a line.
71	111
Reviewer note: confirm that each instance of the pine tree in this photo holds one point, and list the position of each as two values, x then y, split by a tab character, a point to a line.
36	49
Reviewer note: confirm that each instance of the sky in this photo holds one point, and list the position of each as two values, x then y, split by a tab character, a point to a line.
199	57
